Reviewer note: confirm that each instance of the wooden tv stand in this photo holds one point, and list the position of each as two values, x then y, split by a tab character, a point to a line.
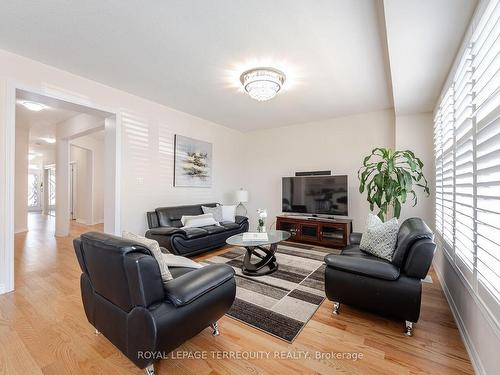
316	230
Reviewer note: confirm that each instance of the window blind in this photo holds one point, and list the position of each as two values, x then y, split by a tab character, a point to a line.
467	155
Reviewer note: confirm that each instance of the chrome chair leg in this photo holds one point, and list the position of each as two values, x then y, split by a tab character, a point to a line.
408	328
150	370
215	329
336	307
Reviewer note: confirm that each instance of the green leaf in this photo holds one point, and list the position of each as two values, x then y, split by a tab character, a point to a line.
397	208
381	215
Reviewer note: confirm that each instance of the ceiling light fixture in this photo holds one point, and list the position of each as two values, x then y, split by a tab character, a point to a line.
262	83
33	106
49	140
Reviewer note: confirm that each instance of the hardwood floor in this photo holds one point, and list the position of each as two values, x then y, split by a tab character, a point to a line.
43	329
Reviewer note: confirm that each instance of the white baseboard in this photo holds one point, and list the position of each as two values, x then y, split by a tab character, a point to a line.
469	346
2	289
81	221
23	230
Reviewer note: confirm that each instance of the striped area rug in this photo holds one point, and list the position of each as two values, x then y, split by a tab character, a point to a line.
280	303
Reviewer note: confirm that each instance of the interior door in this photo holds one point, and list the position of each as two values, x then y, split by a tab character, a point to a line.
34	190
73	190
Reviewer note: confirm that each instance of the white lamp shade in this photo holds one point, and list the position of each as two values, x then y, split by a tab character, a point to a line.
242	196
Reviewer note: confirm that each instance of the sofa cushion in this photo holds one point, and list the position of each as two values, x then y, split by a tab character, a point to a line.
191	233
179	271
166	231
229	225
365	265
211	229
353	251
380	238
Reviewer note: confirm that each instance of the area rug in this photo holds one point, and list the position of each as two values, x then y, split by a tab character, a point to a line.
280	303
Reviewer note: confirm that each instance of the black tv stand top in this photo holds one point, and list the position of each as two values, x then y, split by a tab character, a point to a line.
315	218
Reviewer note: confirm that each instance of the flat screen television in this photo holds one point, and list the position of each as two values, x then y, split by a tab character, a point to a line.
315	195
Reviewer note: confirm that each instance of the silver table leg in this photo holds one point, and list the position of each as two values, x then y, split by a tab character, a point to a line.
408	328
336	307
215	329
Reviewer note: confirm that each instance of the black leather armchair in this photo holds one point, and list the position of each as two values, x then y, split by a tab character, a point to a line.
392	289
125	300
165	227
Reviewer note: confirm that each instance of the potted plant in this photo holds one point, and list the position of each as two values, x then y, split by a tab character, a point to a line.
388	177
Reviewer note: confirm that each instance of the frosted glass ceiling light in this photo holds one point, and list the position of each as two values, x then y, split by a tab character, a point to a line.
33	106
262	83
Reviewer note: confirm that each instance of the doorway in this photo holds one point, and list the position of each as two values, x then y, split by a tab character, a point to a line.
49	187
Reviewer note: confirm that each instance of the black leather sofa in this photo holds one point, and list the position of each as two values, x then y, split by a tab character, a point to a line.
392	289
165	227
125	300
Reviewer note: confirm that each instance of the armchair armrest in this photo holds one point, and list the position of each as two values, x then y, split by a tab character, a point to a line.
240	219
166	231
355	238
186	288
366	266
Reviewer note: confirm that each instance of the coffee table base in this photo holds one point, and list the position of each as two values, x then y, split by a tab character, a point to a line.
267	261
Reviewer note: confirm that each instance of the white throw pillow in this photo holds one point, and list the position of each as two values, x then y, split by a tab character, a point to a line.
228	213
215	211
154	247
198	221
180	261
380	238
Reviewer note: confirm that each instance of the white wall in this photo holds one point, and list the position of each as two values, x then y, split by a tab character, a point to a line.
95	184
337	144
415	133
21	180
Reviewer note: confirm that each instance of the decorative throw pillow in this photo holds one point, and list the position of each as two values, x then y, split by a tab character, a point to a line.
229	213
215	211
180	261
380	238
154	247
198	221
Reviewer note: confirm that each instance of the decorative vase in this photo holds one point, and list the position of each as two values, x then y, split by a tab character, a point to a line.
261	227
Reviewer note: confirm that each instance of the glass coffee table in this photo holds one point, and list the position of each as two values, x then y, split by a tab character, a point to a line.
266	262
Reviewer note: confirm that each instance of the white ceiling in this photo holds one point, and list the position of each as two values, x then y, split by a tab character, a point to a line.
423	38
43	124
188	54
